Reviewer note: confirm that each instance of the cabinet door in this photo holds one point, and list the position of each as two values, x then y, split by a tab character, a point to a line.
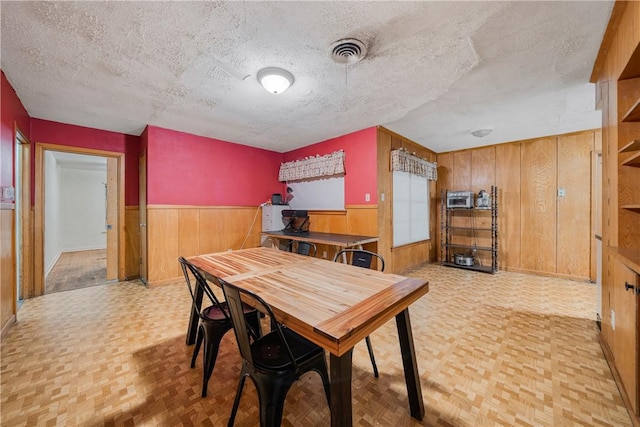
625	332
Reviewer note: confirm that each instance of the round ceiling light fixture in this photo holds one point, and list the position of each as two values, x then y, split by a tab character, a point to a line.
274	79
481	133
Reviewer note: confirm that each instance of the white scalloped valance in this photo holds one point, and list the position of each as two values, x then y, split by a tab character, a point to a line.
312	167
403	161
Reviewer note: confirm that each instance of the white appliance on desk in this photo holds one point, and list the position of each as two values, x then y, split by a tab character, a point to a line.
272	220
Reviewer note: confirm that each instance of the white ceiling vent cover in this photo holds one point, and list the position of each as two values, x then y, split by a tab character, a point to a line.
347	51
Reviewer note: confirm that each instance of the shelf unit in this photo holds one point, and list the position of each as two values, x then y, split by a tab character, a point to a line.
469	234
620	304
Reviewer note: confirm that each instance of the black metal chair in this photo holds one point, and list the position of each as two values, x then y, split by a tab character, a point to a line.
364	259
303	248
214	321
273	362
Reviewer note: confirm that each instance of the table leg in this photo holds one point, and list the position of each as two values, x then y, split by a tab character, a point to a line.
192	329
340	378
411	374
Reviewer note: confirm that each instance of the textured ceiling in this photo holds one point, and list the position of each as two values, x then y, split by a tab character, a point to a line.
434	70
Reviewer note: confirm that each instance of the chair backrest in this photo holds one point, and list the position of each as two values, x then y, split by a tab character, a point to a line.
241	328
303	248
202	284
361	258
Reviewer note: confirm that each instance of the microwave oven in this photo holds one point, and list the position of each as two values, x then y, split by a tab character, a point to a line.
460	199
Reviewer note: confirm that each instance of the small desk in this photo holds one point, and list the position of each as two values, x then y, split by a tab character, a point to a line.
332	304
339	241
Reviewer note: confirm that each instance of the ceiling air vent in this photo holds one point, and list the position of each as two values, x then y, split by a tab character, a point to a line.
347	51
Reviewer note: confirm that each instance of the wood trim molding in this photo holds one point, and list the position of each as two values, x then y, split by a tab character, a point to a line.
7	327
361	206
23	201
38	253
162	282
546	274
20	136
609	34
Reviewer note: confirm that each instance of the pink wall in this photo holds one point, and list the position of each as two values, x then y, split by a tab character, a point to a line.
361	158
78	136
11	111
185	169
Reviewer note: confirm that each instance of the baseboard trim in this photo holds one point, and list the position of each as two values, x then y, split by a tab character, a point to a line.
7	327
163	282
547	274
52	264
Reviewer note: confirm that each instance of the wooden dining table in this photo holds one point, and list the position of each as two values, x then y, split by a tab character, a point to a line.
332	304
336	240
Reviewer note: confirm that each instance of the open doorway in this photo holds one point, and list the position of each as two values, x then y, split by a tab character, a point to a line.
76	225
106	198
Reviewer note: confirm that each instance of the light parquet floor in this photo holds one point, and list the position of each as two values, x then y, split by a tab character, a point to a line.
493	350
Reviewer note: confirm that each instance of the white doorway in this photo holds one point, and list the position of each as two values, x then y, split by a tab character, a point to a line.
113	219
76	224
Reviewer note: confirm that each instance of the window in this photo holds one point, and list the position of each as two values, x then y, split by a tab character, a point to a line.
410	208
325	193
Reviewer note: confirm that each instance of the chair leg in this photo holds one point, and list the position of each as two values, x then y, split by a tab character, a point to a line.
210	356
196	349
373	359
236	401
321	369
272	395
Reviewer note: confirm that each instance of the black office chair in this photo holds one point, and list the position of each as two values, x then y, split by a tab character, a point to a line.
364	259
273	362
303	248
214	321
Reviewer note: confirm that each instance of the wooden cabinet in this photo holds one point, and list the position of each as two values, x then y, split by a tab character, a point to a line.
624	321
619	86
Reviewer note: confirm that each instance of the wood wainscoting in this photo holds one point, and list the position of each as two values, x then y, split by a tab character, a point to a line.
175	231
7	268
540	231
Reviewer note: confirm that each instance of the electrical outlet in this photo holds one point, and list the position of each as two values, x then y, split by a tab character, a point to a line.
613	320
324	254
561	192
367	197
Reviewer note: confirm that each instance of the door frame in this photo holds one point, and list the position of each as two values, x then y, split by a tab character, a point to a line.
142	215
24	234
38	208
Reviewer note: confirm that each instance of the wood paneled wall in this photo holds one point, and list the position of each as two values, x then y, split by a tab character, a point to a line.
7	269
356	219
539	184
175	231
404	257
538	231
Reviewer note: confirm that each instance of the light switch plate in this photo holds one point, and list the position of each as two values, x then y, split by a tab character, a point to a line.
8	193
